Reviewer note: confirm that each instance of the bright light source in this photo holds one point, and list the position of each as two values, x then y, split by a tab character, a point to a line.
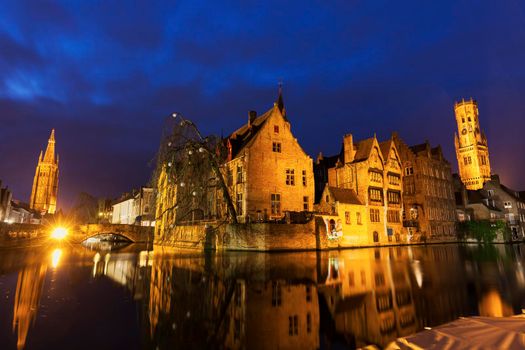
59	233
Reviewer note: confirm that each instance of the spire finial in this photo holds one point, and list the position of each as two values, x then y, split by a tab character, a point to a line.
52	136
280	102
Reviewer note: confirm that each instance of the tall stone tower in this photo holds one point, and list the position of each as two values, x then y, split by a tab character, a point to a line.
45	184
472	150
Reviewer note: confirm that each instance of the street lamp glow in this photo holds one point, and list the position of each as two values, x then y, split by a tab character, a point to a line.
59	233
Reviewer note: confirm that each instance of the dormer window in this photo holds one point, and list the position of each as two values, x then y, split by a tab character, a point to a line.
276	129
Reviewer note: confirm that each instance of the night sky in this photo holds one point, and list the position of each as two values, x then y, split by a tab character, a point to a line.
105	77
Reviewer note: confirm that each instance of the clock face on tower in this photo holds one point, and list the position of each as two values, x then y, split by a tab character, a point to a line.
464	131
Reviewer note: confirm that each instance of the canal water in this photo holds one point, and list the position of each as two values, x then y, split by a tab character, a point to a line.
129	297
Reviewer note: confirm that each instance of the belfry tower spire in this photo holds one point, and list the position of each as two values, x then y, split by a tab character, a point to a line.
45	183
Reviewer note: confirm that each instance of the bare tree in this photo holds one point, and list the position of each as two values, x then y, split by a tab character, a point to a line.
189	171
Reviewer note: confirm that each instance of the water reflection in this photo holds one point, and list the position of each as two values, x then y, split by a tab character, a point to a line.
28	292
245	300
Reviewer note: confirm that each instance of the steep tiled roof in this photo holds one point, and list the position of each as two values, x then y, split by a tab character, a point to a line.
364	148
419	148
512	193
385	148
475	197
344	195
241	137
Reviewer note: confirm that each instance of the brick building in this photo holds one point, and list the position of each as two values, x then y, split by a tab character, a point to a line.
428	191
373	171
267	172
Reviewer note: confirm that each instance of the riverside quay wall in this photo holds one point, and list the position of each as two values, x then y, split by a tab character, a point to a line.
254	236
312	235
22	235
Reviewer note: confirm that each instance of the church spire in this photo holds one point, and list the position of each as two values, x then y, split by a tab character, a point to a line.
49	156
45	182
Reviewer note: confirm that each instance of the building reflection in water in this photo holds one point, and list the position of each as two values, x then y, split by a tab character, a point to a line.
225	303
307	300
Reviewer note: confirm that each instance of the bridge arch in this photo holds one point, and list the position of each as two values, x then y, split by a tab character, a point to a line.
132	233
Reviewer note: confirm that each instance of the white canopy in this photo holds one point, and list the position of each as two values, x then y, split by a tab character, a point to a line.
468	333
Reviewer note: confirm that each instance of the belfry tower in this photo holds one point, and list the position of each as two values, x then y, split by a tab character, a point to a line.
472	149
45	184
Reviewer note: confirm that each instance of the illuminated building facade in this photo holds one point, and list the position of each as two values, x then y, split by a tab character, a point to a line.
135	208
373	171
267	171
428	192
472	150
45	183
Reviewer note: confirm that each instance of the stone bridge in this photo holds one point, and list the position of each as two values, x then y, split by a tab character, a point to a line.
133	233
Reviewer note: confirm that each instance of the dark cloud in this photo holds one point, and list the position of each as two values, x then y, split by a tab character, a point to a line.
106	75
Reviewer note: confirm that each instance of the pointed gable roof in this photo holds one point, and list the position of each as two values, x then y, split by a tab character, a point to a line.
243	136
363	149
385	147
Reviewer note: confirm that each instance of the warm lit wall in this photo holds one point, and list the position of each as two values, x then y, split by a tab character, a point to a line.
471	144
267	322
264	171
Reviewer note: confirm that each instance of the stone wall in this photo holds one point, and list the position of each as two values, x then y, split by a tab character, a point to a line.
22	235
253	237
135	233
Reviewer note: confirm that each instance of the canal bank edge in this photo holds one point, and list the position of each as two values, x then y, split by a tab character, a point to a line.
265	237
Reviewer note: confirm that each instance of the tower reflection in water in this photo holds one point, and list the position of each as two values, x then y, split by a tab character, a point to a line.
29	288
290	300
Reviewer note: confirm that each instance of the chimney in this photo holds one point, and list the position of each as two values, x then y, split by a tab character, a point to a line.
251	117
348	148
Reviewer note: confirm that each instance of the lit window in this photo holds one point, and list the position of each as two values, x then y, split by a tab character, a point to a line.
376	177
374	215
347	217
375	195
393	216
239	174
394	179
394	197
275	203
239	203
290	177
304	177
